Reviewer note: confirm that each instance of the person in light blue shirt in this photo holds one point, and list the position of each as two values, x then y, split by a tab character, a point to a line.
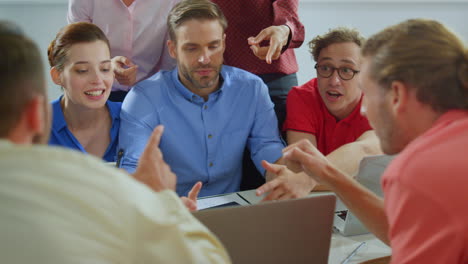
61	135
210	111
80	62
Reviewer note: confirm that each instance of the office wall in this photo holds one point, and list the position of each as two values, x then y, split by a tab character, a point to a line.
41	19
370	17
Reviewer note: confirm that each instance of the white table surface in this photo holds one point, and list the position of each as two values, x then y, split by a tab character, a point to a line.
341	246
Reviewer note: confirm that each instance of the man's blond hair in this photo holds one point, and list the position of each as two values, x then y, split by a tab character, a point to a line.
427	56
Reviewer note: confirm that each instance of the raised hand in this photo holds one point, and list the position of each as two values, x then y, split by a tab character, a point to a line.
277	36
152	170
125	71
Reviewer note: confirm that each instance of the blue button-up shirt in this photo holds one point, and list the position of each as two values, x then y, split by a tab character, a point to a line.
62	136
202	141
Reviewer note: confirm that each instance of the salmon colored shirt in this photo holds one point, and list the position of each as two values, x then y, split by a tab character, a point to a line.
306	112
426	195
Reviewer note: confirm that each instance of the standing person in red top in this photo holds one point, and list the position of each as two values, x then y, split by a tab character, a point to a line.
262	36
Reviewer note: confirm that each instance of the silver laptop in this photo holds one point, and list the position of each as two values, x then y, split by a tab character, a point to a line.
370	171
292	231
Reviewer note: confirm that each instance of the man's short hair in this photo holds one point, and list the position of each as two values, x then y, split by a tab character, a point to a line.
194	9
333	36
425	55
21	75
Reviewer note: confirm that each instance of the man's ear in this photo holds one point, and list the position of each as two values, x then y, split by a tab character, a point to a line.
172	48
55	75
36	115
224	42
399	95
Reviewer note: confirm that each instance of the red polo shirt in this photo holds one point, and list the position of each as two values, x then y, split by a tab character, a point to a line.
307	113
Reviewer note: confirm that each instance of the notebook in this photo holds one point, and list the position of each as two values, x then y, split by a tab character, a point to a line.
292	231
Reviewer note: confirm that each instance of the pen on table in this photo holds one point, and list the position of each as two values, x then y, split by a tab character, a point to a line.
345	261
119	158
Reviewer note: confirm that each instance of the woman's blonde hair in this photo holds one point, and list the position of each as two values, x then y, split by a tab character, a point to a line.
427	56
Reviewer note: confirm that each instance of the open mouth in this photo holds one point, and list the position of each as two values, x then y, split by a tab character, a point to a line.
334	94
95	92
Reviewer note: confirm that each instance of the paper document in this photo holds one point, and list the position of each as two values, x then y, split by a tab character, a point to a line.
215	201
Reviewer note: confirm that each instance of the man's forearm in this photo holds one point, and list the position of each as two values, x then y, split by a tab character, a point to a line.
348	157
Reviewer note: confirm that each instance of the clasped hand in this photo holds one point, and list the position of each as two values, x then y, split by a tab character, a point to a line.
305	168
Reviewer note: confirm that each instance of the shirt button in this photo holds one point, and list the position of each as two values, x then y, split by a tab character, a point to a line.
210	136
205	107
211	164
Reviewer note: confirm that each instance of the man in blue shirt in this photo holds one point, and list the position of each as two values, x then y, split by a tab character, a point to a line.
210	111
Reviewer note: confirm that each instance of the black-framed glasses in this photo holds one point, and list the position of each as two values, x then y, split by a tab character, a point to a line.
326	71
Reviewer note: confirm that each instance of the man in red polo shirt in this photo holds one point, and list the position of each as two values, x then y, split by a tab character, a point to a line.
326	111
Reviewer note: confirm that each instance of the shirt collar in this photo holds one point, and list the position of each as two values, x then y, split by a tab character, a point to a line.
59	122
189	95
114	110
449	117
356	113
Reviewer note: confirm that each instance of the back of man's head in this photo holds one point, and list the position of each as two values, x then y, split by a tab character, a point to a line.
21	75
193	9
425	55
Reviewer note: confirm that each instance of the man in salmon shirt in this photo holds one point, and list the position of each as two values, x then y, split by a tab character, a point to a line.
415	79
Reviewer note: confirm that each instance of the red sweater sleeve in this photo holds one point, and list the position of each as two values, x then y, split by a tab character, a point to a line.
285	13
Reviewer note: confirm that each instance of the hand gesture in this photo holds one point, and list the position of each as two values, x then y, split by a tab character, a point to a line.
310	160
191	201
151	169
125	71
277	36
286	184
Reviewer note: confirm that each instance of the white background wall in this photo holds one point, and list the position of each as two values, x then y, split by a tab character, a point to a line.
41	19
370	17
